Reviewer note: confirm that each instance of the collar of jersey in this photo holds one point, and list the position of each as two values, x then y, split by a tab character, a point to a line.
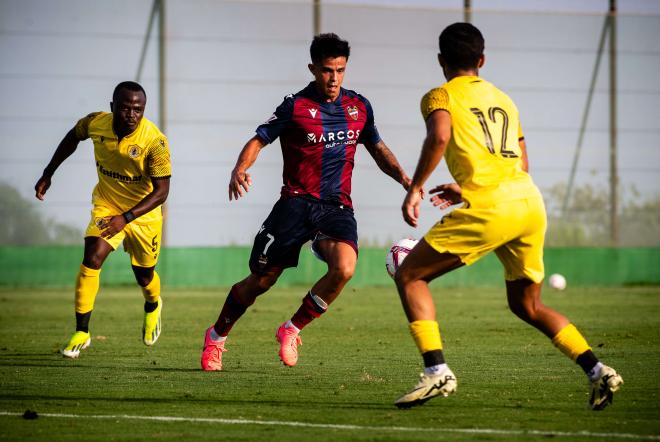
465	78
129	135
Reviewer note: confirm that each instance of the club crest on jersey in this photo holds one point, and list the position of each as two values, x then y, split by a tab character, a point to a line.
134	151
352	111
312	112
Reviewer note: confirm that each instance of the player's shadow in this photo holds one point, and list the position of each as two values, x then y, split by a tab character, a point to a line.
20	360
233	402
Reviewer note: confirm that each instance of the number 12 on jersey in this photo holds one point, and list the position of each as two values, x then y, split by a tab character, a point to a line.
493	112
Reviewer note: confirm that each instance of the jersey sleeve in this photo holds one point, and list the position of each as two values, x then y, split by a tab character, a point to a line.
158	159
369	133
81	128
273	127
434	100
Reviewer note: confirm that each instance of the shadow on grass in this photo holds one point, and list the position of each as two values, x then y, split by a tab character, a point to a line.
322	403
67	363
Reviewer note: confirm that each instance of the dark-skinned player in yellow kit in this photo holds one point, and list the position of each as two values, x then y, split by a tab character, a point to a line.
133	166
476	127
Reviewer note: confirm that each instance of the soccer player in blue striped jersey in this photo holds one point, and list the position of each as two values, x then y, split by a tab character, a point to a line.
319	129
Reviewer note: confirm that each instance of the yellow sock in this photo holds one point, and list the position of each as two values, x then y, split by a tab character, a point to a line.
571	342
151	291
426	335
87	286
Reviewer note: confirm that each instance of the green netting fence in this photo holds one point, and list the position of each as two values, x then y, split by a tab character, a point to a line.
223	266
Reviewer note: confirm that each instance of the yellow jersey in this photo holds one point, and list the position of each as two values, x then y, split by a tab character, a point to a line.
483	154
125	167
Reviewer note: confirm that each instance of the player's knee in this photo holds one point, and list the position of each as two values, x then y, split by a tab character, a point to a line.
265	284
262	283
524	297
143	275
402	278
527	311
143	280
93	261
342	273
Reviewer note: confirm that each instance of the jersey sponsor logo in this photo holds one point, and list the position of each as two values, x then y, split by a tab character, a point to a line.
134	151
333	139
312	112
352	112
118	176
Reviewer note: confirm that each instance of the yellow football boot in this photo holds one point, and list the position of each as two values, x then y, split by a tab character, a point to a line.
151	325
79	341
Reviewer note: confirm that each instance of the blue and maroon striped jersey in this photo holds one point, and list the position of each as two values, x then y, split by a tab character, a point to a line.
319	140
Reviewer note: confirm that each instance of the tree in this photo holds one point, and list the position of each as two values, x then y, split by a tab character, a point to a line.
23	225
586	220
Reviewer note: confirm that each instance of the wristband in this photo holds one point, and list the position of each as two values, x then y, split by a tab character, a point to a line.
128	216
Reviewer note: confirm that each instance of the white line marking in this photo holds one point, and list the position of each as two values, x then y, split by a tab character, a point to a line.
342	426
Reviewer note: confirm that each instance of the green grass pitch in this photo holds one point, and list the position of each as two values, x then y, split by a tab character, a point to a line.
512	383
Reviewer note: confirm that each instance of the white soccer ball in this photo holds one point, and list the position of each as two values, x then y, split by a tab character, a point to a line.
398	253
557	281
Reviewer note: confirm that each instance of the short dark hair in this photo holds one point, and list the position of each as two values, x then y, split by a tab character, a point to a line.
127	85
461	45
328	45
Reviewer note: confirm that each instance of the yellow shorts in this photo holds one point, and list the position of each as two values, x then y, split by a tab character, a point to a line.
515	230
141	240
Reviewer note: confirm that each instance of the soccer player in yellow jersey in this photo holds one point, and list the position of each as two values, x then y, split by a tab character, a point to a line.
133	165
475	126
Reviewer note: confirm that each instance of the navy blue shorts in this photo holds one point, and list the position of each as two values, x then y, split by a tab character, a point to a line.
293	222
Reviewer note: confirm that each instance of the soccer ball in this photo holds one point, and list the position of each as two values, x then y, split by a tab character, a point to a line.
557	281
397	254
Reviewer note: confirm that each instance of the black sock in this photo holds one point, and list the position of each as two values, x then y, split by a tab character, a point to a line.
150	306
232	310
82	321
433	357
587	361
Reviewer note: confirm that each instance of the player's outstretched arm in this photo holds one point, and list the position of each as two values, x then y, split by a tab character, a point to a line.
240	181
438	134
67	146
387	162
